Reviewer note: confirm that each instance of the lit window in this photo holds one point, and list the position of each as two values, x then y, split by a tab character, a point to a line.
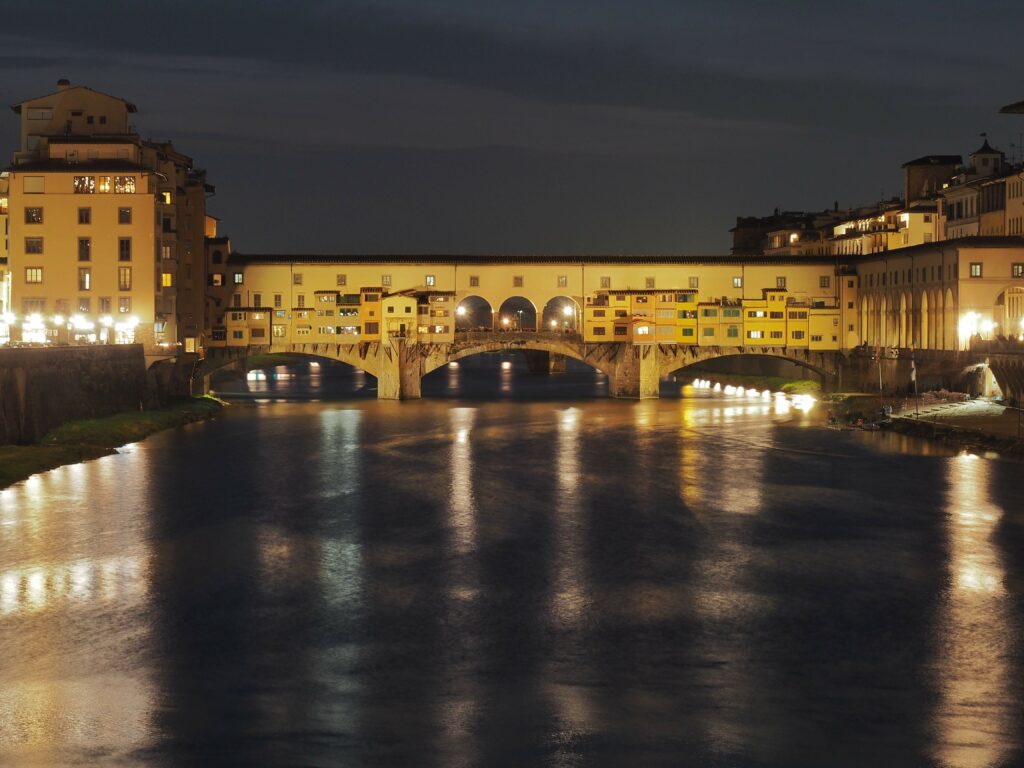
755	334
33	245
166	252
216	279
103	184
737	282
167	280
780	282
33	215
643	330
385	280
1017	270
431	281
85	185
165	198
236	278
33	274
84	304
124	185
124	278
84	279
975	269
563	281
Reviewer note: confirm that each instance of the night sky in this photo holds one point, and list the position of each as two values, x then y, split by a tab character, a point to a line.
534	126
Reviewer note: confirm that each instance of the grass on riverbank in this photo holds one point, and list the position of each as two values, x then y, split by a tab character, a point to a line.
774	383
89	439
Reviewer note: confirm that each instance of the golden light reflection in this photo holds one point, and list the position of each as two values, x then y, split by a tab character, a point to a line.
976	689
568	591
461	501
691	458
54	586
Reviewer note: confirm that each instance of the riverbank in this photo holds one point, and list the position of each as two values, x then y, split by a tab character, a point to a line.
92	438
974	425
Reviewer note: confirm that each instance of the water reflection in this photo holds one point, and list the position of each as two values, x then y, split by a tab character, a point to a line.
978	695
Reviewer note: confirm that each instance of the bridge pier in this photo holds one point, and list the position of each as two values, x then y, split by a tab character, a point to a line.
399	371
636	373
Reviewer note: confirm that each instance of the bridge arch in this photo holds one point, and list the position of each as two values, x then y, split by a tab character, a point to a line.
923	312
359	356
952	330
474	313
569	349
703	354
561	313
517	313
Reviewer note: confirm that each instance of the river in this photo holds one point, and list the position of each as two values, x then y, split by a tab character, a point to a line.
514	570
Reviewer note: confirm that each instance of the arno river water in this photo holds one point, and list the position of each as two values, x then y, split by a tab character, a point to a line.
513	571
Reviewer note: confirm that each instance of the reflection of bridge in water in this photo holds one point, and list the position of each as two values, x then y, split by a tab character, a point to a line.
633	370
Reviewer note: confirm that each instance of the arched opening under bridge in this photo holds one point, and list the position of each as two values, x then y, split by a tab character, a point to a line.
292	376
474	313
771	371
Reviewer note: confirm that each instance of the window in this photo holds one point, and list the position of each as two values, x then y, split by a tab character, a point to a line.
84	249
236	300
124	278
780	282
927	237
105	305
649	282
687	331
84	279
517	281
694	283
734	312
849	283
816	338
797	315
103	184
709	331
776	315
737	282
85	215
563	281
776	334
166	251
975	269
33	274
620	330
708	312
430	281
824	281
643	330
216	279
33	215
757	313
84	304
278	331
798	335
598	331
733	331
167	280
301	299
33	245
277	300
385	280
371	328
124	215
598	313
474	281
236	278
124	185
340	279
606	282
1017	270
85	185
124	249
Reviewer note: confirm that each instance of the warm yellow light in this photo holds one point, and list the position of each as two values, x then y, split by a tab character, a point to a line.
567	310
505	321
554	323
460	311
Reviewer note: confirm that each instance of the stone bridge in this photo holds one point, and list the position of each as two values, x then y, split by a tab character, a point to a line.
633	370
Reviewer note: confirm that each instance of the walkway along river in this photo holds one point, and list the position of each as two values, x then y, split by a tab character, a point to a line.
512	572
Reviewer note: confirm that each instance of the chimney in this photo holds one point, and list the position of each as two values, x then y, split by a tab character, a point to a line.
63	84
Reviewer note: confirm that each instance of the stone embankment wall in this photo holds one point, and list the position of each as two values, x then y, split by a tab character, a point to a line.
43	388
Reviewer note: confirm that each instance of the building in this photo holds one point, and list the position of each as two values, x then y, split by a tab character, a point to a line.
106	230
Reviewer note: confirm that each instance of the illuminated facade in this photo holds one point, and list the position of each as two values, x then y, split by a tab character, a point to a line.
106	231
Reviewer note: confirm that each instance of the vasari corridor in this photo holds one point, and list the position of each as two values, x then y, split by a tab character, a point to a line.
457	384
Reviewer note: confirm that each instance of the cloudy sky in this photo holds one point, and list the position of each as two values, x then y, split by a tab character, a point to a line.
530	126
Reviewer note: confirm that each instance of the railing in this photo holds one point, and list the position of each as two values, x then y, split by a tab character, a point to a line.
999	346
525	336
